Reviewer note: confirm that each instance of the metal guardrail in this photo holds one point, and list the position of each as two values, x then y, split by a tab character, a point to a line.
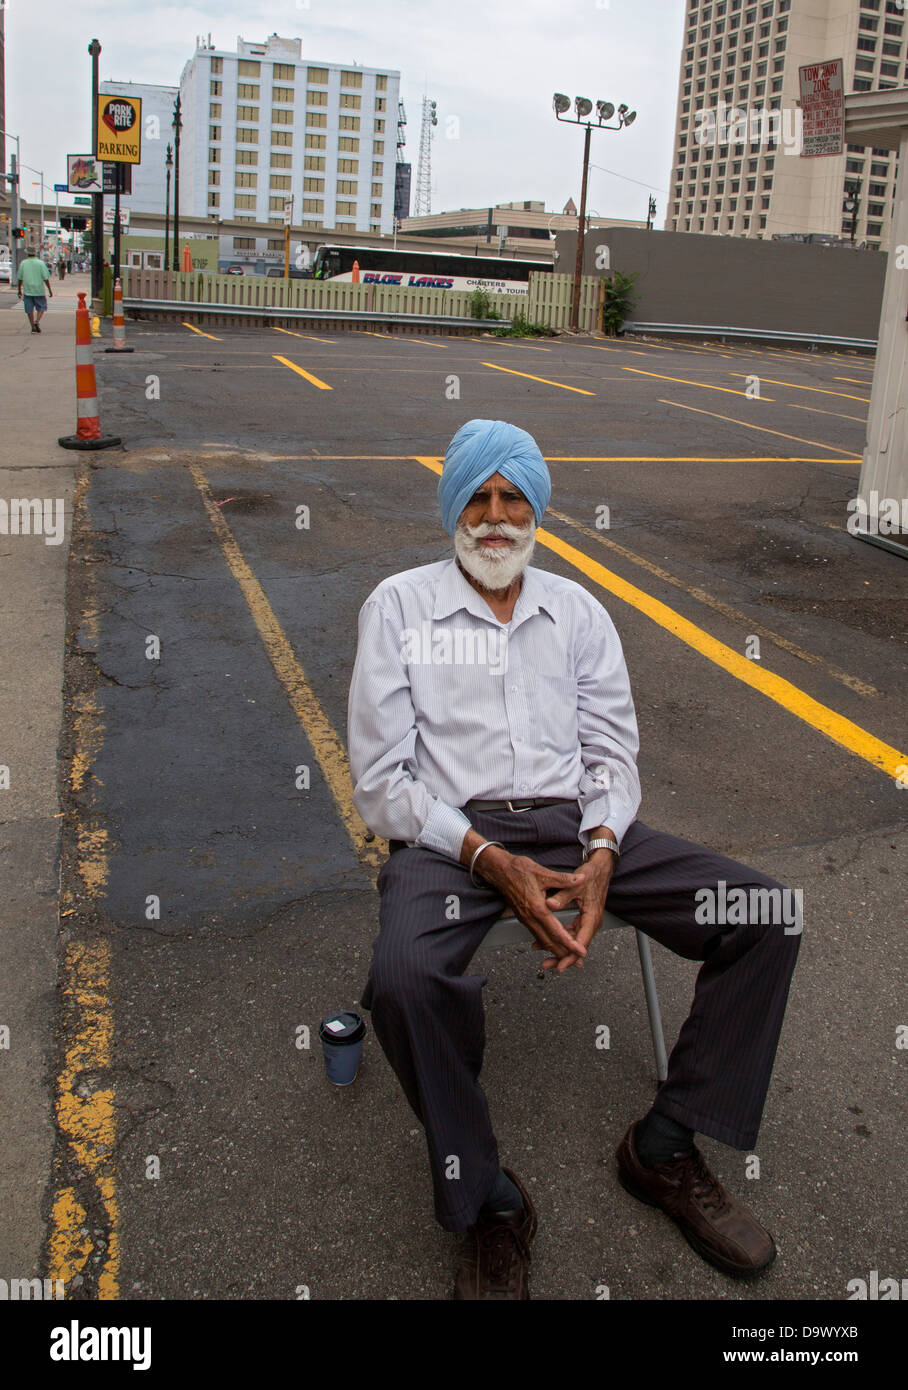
754	334
265	311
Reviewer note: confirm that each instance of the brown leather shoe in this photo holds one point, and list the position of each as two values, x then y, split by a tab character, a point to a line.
718	1227
495	1258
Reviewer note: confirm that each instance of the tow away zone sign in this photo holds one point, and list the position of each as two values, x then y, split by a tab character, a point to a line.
823	105
119	134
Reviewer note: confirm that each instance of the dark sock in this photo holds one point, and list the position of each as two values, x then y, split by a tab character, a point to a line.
658	1139
503	1196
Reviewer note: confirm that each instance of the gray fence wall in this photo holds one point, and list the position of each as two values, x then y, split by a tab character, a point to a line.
740	283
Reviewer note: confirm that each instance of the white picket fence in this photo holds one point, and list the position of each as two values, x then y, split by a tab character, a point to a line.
548	301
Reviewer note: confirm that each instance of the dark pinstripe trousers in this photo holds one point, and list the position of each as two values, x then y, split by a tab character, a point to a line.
428	1014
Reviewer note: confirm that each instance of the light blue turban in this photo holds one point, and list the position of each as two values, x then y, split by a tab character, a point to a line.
481	448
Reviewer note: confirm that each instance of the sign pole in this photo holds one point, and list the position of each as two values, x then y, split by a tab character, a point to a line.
97	211
119	169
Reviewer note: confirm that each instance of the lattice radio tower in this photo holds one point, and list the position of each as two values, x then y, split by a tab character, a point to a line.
423	198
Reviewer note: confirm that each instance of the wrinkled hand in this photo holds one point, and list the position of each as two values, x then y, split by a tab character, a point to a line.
590	898
524	883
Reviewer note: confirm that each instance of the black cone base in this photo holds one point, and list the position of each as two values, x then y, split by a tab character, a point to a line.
72	441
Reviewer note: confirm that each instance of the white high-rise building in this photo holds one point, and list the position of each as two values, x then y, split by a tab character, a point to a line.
744	56
260	125
149	177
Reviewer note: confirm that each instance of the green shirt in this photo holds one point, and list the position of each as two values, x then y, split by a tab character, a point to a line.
33	274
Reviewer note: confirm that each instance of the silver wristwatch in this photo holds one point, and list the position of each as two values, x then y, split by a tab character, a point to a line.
600	844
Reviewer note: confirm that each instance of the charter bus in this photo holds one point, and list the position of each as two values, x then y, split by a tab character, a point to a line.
437	270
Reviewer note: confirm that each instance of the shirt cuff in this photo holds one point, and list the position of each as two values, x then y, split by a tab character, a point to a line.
602	811
444	830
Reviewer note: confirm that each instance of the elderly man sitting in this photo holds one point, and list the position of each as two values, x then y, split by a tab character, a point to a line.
493	740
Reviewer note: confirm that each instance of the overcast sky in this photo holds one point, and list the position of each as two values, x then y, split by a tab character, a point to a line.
492	66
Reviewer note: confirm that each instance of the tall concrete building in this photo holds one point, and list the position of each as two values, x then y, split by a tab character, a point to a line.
739	58
149	183
261	125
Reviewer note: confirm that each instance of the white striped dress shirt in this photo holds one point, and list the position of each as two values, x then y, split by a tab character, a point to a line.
448	704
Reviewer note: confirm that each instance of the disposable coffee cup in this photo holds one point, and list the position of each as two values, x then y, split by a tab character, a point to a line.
342	1043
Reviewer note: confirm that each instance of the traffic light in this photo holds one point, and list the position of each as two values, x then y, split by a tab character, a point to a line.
851	202
18	234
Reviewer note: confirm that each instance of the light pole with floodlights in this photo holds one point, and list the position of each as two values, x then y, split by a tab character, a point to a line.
605	110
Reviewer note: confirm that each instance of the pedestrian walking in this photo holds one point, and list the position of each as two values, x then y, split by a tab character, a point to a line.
34	279
61	268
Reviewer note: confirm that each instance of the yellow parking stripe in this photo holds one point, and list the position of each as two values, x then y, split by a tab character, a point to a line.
310	336
701	595
193	329
674	458
817	443
322	385
826	721
729	391
855	380
545	381
327	747
793	386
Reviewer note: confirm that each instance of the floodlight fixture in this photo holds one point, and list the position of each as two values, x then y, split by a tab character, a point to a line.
606	110
583	106
561	103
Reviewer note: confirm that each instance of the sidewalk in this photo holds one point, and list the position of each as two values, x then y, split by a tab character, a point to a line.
38	405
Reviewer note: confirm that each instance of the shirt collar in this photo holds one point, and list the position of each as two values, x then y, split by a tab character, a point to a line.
454	593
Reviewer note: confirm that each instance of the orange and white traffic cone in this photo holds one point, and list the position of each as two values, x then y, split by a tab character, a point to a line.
119	322
88	425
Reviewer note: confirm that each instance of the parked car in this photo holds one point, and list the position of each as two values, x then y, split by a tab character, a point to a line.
277	272
6	273
236	270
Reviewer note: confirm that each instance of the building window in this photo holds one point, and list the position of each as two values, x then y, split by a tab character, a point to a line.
377	169
247	91
378	126
344	209
284	94
247	157
214	110
280	181
247	113
281	161
245	68
864	64
316	98
879	171
247	135
319	75
347	188
350	100
314	161
348	142
381	83
376	210
313	118
214	132
378	147
282	137
214	156
244	200
281	117
276	204
315	142
380	103
351	79
376	190
348	166
217	65
313	185
214	89
348	122
244	243
244	180
314	205
214	177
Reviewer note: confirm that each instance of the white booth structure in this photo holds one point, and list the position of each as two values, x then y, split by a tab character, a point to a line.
880	511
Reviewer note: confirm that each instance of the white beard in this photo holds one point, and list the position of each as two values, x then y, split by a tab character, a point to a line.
493	568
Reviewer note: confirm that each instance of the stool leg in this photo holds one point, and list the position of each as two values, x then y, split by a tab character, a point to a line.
652	1004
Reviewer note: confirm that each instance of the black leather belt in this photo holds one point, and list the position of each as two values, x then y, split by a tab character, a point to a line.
530	805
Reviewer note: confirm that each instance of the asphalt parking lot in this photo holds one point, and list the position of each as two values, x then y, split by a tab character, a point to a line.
213	906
